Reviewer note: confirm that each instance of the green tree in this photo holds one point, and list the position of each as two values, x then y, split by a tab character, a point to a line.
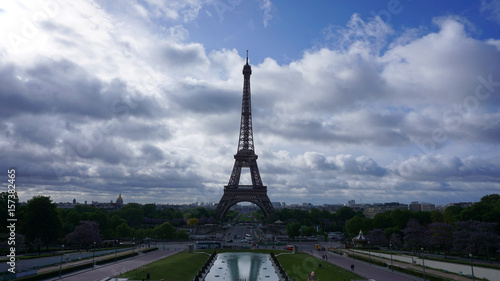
201	212
73	218
101	218
309	231
115	221
486	210
354	225
293	229
393	230
345	213
192	221
187	215
424	218
124	231
5	205
383	220
164	231
182	235
132	213
437	216
401	217
42	220
149	210
451	214
315	215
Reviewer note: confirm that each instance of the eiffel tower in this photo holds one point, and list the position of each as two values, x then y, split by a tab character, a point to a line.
245	157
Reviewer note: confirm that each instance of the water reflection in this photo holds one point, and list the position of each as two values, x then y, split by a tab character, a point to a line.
242	266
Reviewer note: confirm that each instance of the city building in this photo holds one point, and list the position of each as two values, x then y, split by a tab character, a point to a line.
415	206
371	211
119	201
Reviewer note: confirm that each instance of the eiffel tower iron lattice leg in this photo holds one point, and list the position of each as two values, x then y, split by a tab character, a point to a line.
245	157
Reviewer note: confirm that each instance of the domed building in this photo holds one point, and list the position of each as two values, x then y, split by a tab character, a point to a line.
119	201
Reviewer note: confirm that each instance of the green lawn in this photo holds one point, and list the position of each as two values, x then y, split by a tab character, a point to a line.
299	267
179	267
244	218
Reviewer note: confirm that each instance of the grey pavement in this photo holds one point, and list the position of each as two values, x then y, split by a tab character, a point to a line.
447	275
364	269
27	264
114	269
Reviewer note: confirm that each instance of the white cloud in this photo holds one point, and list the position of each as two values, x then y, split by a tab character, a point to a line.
103	103
267	7
359	36
491	9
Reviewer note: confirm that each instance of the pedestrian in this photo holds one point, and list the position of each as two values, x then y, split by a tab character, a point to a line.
352	266
147	277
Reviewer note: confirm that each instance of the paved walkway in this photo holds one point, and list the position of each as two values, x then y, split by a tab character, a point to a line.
364	269
418	268
114	269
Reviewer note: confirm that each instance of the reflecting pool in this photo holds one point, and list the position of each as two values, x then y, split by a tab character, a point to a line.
242	266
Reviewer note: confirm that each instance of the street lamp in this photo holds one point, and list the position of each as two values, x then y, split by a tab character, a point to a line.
369	255
60	266
93	255
423	262
392	267
471	267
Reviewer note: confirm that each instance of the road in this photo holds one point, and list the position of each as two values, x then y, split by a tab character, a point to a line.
114	269
35	263
363	269
236	234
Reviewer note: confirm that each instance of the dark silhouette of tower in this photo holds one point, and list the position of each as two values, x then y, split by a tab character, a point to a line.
245	157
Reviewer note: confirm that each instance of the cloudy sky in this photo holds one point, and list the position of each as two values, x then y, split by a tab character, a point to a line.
376	101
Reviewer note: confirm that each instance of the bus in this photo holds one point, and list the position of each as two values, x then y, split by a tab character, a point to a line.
208	245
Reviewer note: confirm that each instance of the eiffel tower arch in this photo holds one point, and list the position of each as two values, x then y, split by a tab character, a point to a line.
245	157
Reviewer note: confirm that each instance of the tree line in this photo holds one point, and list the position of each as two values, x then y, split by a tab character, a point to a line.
42	224
474	229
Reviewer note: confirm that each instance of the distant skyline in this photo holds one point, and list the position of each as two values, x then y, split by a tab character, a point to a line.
90	202
373	101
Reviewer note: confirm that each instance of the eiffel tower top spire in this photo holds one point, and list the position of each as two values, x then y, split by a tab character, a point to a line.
245	144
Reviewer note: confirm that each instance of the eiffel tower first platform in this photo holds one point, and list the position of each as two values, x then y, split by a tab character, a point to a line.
245	157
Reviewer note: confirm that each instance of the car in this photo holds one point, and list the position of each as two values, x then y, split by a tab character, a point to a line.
229	241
